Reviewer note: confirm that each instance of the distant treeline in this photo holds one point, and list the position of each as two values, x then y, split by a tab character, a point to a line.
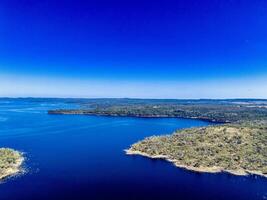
211	110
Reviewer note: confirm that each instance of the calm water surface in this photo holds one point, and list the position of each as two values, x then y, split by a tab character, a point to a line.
81	157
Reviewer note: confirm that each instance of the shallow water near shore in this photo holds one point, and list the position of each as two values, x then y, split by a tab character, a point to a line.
82	157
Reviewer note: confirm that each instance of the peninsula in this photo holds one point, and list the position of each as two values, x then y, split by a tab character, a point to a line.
220	111
10	162
235	148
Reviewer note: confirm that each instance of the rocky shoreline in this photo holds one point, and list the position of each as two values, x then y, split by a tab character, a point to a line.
196	169
10	162
234	149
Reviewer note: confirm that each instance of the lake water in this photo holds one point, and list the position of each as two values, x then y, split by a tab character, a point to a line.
81	157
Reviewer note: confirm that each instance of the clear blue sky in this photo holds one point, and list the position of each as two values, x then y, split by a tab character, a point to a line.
133	48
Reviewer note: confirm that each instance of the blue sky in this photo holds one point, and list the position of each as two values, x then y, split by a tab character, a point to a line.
133	48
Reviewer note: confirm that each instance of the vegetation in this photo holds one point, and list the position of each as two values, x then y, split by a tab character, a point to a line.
236	148
212	110
10	162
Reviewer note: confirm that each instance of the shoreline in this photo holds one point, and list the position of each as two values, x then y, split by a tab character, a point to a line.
13	169
240	172
52	112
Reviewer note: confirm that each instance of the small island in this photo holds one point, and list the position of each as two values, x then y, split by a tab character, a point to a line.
10	162
239	149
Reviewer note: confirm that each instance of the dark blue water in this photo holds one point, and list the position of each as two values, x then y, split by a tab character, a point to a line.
81	157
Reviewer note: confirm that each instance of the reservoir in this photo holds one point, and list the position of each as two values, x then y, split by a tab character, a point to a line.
82	157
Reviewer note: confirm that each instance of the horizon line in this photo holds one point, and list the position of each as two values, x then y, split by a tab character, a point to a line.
135	98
